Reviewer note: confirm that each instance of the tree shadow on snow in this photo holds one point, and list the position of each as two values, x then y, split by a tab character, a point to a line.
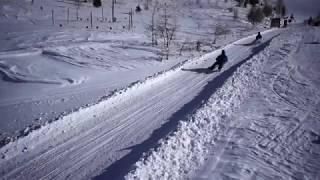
120	168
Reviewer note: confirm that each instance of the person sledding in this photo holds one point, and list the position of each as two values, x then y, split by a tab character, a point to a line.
258	37
220	61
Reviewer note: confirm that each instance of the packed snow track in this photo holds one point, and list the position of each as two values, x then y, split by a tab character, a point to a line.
106	139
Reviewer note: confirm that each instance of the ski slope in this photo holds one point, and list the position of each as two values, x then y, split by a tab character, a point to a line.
106	139
64	117
50	70
263	123
275	132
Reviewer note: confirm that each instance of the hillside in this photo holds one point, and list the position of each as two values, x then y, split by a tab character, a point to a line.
48	71
85	97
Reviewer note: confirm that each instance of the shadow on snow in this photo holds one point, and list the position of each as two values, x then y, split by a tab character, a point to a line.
201	70
120	168
254	42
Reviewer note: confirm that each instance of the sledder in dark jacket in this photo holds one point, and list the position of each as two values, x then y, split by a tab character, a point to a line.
220	61
258	37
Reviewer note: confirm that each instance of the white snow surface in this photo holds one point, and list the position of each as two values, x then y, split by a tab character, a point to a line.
114	133
48	71
84	103
263	123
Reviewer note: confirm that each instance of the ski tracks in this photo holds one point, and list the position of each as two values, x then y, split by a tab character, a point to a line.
270	136
84	143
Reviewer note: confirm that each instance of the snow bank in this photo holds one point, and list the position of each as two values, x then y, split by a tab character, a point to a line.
185	150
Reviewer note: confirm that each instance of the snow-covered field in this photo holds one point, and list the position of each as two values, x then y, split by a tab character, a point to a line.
48	71
102	103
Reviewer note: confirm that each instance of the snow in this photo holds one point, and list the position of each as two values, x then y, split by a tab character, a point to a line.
48	71
102	103
262	123
129	116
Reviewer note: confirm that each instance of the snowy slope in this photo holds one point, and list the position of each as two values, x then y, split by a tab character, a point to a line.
80	103
114	133
262	124
275	133
48	71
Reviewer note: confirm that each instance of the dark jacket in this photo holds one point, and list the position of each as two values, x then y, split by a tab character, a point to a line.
222	58
258	36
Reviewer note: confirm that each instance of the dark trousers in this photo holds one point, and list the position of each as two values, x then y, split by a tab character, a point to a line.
216	64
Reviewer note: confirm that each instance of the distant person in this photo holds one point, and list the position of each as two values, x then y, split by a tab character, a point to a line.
138	9
258	37
292	17
285	23
310	20
220	61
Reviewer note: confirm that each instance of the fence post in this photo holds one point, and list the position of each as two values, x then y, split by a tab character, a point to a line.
102	14
52	13
91	20
68	15
113	20
77	14
131	18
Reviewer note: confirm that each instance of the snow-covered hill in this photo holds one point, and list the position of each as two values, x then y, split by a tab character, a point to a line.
111	136
263	123
47	71
78	102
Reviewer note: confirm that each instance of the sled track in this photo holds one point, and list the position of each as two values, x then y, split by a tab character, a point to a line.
84	143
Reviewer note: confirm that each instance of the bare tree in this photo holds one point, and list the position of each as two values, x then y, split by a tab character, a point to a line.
153	25
163	25
166	25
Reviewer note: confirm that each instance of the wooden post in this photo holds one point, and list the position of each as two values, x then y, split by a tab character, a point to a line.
112	11
77	14
52	13
91	20
131	18
147	5
102	14
68	15
129	25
